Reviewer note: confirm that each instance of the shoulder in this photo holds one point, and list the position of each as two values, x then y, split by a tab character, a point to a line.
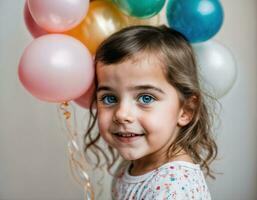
178	180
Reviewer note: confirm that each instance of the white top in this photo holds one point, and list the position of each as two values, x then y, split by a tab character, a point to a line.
176	180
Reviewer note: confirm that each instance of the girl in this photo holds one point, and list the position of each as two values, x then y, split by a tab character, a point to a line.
151	111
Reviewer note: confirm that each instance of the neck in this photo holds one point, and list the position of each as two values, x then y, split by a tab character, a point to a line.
144	165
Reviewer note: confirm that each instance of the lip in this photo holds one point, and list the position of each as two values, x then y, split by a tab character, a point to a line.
128	139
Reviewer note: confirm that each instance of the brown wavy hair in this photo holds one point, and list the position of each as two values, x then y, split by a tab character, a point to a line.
177	56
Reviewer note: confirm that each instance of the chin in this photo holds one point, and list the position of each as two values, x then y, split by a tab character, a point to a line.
129	157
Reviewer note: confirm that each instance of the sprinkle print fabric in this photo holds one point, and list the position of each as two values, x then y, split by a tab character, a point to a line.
177	180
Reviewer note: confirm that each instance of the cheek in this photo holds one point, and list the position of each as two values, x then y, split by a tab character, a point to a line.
103	119
160	119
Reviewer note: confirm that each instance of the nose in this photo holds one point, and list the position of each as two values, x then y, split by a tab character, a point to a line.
124	113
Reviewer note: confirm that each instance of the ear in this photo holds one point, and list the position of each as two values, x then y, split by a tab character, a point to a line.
187	111
184	118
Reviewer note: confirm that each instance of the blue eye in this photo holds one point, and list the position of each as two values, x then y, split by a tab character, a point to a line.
109	99
146	99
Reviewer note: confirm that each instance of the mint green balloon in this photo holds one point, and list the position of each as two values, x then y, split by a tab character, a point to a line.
140	8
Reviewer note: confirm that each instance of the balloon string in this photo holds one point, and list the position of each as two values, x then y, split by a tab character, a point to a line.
77	160
100	181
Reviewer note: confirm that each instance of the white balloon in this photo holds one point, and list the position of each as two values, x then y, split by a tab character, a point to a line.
216	66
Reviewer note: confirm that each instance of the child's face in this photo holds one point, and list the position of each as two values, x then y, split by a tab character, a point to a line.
138	110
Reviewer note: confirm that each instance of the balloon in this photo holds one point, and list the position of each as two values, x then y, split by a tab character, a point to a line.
153	21
217	67
85	100
56	68
140	8
32	26
198	20
102	20
58	15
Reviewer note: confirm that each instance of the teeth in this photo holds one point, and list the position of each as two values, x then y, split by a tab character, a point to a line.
127	134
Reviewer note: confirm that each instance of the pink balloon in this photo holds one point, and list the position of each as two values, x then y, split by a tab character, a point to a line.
85	100
56	68
58	15
32	26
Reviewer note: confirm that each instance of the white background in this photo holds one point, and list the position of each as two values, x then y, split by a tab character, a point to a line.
33	159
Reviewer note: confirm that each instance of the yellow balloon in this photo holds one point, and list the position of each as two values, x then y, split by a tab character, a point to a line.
102	19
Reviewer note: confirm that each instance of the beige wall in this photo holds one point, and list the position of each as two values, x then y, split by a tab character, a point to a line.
33	161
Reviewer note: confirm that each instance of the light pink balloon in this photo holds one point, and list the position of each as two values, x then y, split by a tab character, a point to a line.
32	26
56	68
85	100
58	15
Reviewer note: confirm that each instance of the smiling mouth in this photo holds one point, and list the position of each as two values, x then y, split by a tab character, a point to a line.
128	135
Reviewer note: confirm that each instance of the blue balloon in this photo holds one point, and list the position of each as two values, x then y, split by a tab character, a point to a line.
197	20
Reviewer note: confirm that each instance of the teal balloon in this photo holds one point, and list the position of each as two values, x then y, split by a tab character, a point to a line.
197	20
140	8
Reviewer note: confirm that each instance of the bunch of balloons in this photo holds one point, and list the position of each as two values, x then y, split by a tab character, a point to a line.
57	66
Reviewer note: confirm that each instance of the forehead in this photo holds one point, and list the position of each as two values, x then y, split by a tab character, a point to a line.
140	68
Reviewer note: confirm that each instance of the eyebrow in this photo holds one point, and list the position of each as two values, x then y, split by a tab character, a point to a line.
138	87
